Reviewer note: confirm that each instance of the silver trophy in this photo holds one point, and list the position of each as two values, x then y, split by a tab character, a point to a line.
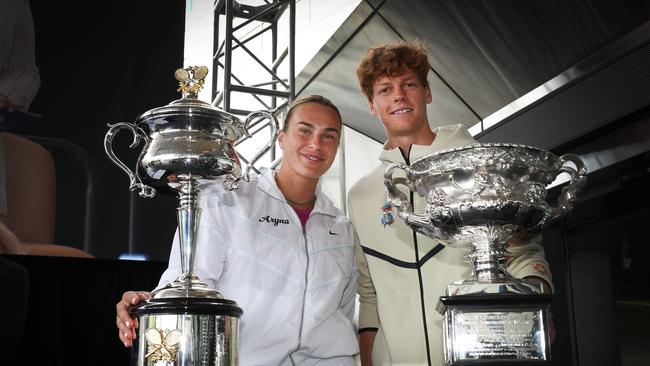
481	198
187	323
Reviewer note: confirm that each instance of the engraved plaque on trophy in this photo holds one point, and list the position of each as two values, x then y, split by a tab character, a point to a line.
479	197
185	322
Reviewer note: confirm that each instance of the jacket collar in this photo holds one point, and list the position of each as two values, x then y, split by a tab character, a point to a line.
267	184
445	136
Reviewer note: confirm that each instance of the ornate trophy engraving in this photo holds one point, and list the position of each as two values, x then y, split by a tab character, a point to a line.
479	198
187	323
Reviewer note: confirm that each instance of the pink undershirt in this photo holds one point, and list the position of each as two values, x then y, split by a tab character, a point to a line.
303	214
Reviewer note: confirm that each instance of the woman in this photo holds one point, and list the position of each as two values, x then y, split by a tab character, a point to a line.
280	249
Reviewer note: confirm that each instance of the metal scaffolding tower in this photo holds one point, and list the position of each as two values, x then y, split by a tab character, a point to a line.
280	90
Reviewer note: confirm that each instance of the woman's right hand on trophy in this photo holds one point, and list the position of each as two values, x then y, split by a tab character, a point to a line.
126	325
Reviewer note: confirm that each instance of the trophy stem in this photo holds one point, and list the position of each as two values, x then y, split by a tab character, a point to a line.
488	262
189	215
488	255
187	285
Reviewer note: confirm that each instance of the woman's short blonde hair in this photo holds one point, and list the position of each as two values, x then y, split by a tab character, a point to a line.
318	99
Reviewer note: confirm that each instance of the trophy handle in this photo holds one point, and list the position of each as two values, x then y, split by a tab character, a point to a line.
568	195
397	199
134	180
231	182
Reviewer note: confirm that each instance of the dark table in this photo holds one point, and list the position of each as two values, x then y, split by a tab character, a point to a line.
71	309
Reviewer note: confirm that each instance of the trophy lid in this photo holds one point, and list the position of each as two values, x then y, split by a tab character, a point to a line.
203	115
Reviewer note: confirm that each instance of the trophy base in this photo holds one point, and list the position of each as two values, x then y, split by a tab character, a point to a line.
189	331
186	287
496	329
505	285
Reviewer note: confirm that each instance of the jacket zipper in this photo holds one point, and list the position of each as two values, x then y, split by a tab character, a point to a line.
304	294
421	283
417	266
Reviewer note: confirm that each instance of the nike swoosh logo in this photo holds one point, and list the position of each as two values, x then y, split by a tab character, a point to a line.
331	233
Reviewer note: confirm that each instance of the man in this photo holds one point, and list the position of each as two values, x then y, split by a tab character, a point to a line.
402	274
280	249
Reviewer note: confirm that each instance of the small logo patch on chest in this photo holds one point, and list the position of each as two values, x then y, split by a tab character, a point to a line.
387	215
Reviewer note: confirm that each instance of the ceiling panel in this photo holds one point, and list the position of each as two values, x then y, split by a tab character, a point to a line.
492	52
486	53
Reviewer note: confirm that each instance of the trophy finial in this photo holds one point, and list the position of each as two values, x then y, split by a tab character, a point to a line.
191	80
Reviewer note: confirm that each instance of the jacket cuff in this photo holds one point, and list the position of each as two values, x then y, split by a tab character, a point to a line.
368	317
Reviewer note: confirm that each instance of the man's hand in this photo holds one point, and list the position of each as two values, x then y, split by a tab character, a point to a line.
126	325
366	341
546	289
551	327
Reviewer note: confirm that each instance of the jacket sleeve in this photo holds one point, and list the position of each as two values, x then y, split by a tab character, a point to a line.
348	300
527	260
368	317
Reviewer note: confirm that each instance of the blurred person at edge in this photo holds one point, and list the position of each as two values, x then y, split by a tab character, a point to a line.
19	76
281	250
402	274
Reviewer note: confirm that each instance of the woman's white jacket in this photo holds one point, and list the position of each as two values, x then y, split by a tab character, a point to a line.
297	287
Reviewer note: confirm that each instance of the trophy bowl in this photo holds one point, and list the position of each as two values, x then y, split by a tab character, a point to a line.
187	136
496	186
482	198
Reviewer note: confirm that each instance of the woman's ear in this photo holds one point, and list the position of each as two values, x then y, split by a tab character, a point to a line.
281	139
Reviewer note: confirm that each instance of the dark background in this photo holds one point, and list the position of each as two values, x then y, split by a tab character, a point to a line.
99	64
71	309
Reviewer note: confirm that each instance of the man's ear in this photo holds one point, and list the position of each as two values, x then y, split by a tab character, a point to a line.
427	93
371	106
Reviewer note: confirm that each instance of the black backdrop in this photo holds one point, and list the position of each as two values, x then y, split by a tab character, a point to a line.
103	63
71	309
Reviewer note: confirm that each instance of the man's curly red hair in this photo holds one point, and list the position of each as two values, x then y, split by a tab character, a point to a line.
392	59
